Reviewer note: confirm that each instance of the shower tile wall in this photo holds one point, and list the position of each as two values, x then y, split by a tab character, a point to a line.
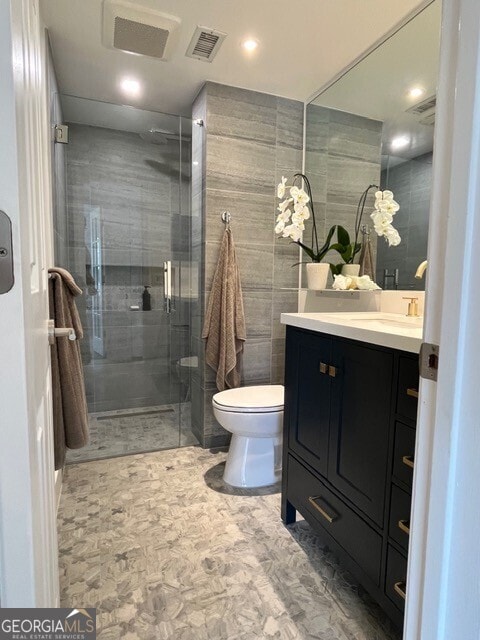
249	140
342	157
118	181
411	183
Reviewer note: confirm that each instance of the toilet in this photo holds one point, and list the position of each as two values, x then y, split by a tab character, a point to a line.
254	417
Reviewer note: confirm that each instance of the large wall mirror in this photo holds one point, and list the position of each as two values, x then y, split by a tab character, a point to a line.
375	125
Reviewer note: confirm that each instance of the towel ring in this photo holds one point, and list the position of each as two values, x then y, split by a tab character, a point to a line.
226	217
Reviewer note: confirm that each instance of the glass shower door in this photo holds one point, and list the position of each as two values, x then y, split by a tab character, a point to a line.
128	215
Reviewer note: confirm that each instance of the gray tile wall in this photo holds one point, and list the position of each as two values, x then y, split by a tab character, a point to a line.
249	140
132	188
411	183
342	157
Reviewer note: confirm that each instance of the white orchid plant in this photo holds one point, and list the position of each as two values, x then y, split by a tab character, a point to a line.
385	209
295	207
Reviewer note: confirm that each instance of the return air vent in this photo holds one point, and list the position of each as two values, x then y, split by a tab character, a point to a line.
205	44
424	112
137	30
428	119
422	107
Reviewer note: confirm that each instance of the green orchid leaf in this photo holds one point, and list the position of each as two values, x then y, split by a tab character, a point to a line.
336	269
311	254
326	247
343	236
347	254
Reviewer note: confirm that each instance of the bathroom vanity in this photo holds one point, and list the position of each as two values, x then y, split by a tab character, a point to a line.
351	388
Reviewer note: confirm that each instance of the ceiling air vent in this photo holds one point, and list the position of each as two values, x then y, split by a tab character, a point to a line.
205	44
425	111
428	119
422	107
137	30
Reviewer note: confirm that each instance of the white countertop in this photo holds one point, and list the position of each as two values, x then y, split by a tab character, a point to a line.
384	329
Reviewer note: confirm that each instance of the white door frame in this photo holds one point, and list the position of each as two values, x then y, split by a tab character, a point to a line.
28	544
443	587
444	559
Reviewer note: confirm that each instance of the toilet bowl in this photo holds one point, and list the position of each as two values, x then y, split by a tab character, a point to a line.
254	417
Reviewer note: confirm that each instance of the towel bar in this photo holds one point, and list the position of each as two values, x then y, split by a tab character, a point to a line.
53	333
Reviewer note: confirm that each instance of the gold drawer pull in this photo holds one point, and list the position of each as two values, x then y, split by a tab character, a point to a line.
404	525
400	588
332	371
413	393
326	515
408	460
323	367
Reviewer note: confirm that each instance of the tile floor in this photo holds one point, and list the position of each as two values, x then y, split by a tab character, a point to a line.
165	550
128	431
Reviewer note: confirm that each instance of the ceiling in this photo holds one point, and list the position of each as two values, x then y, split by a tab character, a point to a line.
377	87
299	50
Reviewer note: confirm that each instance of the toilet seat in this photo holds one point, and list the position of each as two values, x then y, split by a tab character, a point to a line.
256	399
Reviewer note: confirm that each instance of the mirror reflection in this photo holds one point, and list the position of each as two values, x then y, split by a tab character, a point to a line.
375	126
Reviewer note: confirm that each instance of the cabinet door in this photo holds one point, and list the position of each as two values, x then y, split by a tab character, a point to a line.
307	397
359	426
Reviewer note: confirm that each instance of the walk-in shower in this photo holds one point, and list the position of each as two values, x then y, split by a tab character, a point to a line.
122	228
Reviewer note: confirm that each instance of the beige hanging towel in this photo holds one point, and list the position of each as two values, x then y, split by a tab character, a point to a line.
70	415
224	326
366	259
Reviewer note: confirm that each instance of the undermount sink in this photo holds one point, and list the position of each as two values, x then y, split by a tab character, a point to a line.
407	321
385	319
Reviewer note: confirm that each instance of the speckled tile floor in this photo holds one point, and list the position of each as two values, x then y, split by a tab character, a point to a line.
129	431
165	550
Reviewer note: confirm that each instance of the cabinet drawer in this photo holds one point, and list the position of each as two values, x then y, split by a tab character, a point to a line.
399	523
403	455
321	507
408	379
396	577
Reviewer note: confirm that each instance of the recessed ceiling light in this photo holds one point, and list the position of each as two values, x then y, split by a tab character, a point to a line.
130	87
416	92
250	44
195	163
399	142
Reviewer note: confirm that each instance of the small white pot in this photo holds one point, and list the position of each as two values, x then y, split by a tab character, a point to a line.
317	275
350	270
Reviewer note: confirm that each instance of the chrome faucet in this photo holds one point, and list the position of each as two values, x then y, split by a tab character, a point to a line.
421	269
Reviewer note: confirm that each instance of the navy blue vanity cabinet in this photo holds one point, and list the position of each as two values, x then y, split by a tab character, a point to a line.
309	392
361	400
400	503
349	443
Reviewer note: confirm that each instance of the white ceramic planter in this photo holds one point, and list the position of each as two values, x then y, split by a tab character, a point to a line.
317	275
350	270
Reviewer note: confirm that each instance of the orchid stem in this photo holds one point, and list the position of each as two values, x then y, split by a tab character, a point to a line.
314	223
359	215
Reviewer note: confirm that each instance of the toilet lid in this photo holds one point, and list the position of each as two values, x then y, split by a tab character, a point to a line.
258	399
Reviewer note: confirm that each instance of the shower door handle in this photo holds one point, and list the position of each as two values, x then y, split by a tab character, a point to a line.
167	285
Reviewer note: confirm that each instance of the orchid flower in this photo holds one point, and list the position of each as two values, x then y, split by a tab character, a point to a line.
281	188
